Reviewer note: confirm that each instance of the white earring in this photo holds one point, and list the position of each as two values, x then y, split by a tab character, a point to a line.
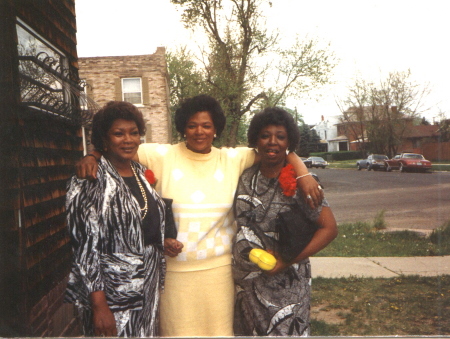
215	135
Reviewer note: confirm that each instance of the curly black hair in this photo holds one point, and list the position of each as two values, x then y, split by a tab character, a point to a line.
273	116
200	103
105	117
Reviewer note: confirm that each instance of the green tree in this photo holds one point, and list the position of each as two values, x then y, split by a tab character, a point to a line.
239	59
309	141
185	80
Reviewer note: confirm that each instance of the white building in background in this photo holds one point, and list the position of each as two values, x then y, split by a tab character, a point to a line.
327	131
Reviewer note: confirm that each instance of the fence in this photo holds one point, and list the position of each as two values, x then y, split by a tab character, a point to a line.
436	151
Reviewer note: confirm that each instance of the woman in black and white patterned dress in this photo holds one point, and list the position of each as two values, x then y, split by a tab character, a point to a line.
275	302
116	224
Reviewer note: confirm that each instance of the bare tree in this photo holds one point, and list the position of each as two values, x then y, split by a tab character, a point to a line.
354	113
386	110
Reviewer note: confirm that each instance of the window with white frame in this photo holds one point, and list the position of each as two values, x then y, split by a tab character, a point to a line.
132	90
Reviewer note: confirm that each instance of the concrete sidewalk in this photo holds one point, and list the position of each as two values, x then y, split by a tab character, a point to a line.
379	267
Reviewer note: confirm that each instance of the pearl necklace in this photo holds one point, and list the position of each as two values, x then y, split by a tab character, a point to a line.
144	195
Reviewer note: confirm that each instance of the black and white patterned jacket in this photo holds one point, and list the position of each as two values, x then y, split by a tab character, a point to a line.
104	221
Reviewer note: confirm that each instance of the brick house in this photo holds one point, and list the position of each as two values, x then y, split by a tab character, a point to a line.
352	123
139	79
352	133
423	139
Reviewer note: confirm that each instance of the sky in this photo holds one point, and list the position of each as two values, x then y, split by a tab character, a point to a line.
370	38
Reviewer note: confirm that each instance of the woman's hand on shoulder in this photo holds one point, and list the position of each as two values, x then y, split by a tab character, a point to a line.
311	191
308	186
172	247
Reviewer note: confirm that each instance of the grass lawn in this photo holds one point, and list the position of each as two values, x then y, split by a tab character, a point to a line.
364	240
343	164
407	305
401	306
441	167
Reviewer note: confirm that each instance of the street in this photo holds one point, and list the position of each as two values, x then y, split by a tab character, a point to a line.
410	200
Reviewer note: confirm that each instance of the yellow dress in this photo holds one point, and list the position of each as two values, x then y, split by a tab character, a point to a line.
198	303
198	297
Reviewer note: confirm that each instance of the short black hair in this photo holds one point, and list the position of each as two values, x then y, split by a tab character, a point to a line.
105	117
273	116
200	103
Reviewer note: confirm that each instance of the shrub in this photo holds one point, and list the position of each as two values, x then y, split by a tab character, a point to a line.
441	235
378	222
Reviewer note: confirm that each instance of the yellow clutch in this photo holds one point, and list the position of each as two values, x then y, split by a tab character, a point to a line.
263	259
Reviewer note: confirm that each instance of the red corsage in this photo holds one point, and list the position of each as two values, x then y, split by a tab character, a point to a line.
287	180
150	176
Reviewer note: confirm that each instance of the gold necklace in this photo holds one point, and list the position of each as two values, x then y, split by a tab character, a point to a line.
144	195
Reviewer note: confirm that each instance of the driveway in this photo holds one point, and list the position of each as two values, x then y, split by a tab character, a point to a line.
410	200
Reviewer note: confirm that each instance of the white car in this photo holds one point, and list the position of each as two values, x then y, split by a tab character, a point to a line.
318	162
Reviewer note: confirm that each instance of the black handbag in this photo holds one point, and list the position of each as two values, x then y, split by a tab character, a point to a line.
295	231
171	229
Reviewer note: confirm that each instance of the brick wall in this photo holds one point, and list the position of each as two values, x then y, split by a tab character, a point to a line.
38	151
103	76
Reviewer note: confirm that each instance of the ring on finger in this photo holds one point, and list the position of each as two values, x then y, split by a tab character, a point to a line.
308	196
319	188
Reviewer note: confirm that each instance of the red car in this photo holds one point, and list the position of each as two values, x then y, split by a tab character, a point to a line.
408	162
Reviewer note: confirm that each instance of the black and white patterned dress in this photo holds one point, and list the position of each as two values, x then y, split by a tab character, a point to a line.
267	305
110	254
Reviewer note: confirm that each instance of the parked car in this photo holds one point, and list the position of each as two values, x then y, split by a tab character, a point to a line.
307	162
318	162
373	161
408	162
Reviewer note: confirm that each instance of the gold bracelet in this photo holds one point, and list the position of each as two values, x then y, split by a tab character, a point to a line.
301	176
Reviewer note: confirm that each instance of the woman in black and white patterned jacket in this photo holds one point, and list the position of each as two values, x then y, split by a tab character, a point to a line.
116	225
